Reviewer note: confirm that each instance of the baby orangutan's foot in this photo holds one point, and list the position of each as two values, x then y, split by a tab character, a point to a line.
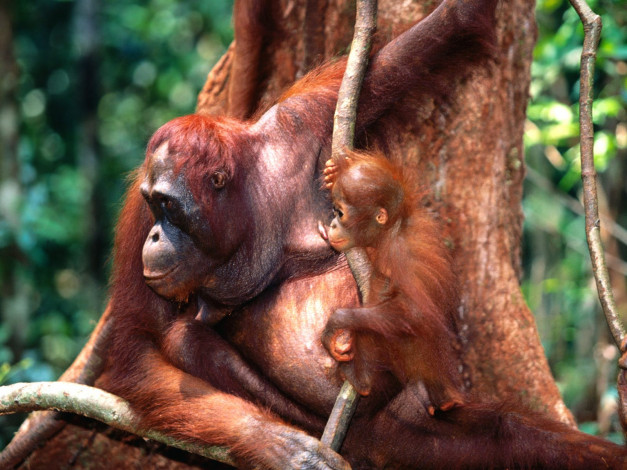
446	406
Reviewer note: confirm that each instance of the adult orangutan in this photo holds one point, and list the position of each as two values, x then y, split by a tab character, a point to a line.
207	348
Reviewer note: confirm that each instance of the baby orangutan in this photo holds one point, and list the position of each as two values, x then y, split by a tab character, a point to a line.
406	326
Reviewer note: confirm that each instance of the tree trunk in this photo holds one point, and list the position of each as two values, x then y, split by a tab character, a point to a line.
469	152
483	138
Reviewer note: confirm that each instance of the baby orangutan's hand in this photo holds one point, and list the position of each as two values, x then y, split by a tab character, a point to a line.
330	174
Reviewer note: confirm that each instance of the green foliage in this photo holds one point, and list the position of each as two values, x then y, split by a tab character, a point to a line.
558	282
555	85
6	370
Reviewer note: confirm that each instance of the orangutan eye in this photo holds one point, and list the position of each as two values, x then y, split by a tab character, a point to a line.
338	212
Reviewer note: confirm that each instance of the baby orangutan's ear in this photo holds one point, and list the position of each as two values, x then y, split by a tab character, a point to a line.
382	216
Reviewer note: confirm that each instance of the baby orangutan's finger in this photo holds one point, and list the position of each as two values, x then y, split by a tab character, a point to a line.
330	174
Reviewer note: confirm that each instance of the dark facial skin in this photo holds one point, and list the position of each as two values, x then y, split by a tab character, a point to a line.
339	237
353	226
177	258
171	259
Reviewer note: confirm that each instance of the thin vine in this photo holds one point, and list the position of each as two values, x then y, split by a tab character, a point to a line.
592	34
343	139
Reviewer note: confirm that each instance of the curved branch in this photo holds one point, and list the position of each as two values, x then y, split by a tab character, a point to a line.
95	404
592	34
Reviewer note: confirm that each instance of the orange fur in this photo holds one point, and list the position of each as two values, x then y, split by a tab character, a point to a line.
200	384
408	325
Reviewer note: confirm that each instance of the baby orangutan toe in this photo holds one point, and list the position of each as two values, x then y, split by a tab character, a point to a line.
449	405
446	406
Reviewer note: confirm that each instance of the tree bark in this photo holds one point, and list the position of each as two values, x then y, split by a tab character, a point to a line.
469	152
483	138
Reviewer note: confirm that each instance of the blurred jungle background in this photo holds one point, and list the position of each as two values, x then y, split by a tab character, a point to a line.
83	85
